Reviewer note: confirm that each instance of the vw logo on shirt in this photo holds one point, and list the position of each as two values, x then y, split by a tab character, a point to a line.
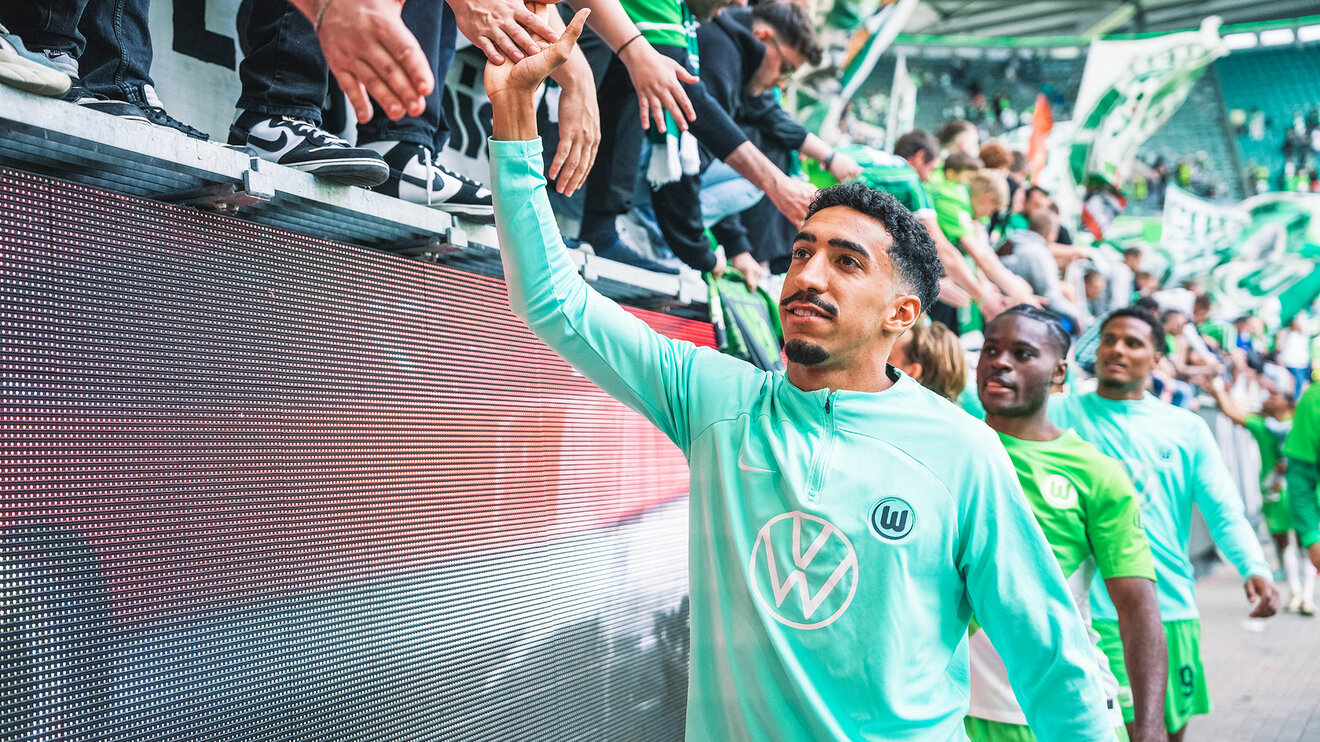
803	570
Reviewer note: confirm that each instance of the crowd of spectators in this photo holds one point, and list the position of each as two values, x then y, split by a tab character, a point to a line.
708	165
1299	146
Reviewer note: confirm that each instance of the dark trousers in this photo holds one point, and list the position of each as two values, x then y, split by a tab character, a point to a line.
109	38
609	187
284	74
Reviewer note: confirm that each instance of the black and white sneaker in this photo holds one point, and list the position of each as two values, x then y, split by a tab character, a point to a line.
80	96
154	111
305	146
416	177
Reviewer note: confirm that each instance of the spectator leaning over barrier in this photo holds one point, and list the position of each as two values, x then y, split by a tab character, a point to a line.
747	53
1292	346
959	209
778	455
1027	254
1034	199
903	175
104	46
1122	280
664	27
959	135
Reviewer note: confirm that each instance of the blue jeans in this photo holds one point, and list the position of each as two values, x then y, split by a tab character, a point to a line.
284	74
1301	377
724	192
109	38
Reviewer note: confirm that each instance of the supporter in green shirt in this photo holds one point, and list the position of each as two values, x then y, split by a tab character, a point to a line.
1085	504
958	209
1269	429
1302	449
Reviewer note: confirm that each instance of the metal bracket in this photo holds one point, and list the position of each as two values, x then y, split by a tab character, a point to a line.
227	198
452	240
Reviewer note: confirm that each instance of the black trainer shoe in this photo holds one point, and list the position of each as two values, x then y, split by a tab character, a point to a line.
416	177
305	146
158	116
614	249
80	96
154	110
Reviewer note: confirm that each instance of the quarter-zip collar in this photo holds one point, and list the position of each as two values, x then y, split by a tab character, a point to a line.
850	410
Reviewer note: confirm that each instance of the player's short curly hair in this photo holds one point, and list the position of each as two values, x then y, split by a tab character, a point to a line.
916	263
1136	312
1062	340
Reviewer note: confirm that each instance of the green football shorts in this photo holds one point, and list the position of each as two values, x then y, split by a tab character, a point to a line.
984	730
1187	694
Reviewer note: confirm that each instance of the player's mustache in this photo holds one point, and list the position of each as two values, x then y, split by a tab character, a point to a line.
811	297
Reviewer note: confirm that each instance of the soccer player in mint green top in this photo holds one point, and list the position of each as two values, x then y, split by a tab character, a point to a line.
1085	504
845	522
1302	449
1174	463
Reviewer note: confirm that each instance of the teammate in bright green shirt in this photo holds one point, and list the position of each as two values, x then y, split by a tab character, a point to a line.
839	537
1269	429
1087	508
1302	449
1174	462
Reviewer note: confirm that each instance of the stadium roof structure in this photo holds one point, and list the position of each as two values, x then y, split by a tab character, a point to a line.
1090	18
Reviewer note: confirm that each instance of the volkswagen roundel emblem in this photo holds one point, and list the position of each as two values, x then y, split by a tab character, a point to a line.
893	519
803	570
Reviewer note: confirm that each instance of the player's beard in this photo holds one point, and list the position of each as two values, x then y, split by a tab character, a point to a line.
804	353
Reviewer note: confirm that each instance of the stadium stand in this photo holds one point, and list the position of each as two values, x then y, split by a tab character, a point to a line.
1281	84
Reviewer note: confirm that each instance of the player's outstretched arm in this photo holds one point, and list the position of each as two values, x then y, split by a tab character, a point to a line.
1019	596
636	365
1145	651
1225	515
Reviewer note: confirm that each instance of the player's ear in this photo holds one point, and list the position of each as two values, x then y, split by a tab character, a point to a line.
901	314
1060	372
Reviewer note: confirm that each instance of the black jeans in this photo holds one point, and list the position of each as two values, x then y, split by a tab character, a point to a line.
284	73
109	38
610	185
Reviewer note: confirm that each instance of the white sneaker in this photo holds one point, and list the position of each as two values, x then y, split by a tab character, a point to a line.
416	177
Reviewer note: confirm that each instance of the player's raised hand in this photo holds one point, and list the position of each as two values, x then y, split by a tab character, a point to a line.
527	74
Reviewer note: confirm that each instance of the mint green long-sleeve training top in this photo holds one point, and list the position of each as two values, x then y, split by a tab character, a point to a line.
838	541
1173	461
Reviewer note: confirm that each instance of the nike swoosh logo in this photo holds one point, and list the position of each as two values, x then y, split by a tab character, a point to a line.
414	180
742	464
270	145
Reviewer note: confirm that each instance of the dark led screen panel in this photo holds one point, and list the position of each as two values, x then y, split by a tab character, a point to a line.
257	486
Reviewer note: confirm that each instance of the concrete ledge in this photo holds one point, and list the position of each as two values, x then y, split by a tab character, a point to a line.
61	140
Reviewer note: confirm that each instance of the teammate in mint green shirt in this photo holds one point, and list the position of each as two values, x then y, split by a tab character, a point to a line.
1087	508
1302	449
845	522
1174	463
